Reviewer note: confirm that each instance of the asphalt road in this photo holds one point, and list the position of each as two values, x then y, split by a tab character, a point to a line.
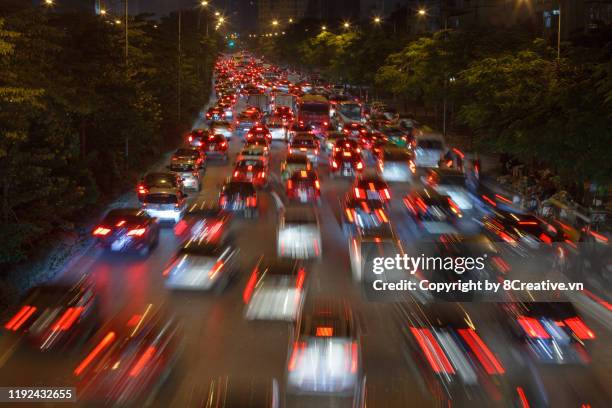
220	342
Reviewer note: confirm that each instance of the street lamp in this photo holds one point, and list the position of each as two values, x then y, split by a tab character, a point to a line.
346	25
217	14
48	2
118	22
274	23
377	20
323	28
102	12
422	12
290	20
204	3
221	20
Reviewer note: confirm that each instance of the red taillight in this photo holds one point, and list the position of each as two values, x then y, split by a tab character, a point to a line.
101	346
357	193
142	189
236	173
67	319
580	329
137	232
354	357
482	352
522	397
301	277
262	174
142	361
453	206
20	318
190	139
324	331
533	328
545	238
289	184
317	184
432	351
387	194
250	286
223	144
298	347
101	231
215	269
222	201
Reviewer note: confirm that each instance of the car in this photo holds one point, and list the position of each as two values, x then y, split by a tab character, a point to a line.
454	358
245	121
215	113
362	214
451	182
277	128
429	149
251	170
197	136
189	170
259	132
166	204
284	113
298	127
325	353
222	127
370	186
206	221
127	229
330	140
354	130
348	145
305	144
275	290
304	187
53	318
369	242
202	264
216	146
396	164
551	332
227	110
345	164
431	211
256	151
239	196
397	136
299	233
129	359
157	180
292	163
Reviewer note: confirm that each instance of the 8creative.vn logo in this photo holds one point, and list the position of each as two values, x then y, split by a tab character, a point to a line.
412	264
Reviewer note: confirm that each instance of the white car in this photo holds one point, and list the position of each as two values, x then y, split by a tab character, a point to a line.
451	182
299	234
165	204
275	291
254	152
429	150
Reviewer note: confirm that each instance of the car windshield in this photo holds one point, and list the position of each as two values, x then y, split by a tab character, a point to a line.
179	167
161	198
315	108
396	155
350	110
454	180
303	142
429	144
160	180
246	163
239	188
186	152
297	159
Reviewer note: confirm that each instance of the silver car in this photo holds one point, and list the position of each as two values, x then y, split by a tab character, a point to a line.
165	204
222	127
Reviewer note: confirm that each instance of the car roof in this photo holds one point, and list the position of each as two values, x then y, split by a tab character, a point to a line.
304	214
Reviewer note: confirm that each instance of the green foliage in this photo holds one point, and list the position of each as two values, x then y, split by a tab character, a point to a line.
69	103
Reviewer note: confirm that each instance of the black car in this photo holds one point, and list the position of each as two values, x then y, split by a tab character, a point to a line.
345	164
362	214
431	211
128	229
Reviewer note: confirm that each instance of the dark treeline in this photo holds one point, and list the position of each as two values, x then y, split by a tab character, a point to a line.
77	125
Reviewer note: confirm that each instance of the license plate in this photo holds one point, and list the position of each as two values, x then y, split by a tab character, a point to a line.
211	148
373	195
346	172
303	195
249	175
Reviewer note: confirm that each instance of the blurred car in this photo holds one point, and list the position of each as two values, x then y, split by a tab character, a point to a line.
298	127
246	120
551	332
196	137
292	163
127	229
255	151
354	130
216	146
251	170
202	265
450	182
455	362
370	186
523	233
429	149
330	140
227	110
240	392
129	360
362	214
205	221
259	133
345	164
239	196
347	145
157	180
304	187
396	164
305	144
275	290
284	113
215	113
299	233
277	128
369	242
431	211
167	204
397	136
54	318
222	127
325	356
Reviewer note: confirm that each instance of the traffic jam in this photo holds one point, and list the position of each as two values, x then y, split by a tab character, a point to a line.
234	274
